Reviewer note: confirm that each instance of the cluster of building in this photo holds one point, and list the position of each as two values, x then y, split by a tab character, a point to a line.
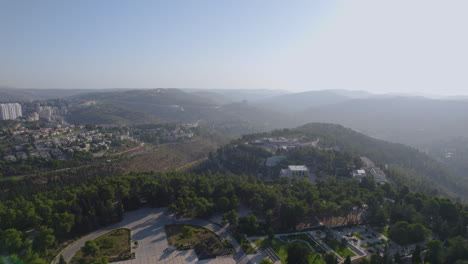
372	169
165	133
175	134
302	171
56	142
282	143
295	171
10	111
34	111
50	113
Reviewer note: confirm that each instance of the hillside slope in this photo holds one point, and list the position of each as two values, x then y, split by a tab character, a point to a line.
173	105
403	165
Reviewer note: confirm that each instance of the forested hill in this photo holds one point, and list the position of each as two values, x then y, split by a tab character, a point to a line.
418	167
402	164
174	105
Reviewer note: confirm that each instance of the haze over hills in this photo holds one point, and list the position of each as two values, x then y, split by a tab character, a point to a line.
17	94
411	120
247	132
237	95
414	121
300	101
174	105
142	133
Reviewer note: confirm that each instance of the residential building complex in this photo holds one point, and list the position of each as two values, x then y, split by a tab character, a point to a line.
10	111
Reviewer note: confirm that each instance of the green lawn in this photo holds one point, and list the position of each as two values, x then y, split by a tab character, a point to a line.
339	248
205	242
307	238
112	245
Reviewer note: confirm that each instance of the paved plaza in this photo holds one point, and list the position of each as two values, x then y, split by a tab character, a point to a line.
147	227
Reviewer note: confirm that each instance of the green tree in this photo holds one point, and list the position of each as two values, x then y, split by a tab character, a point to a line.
457	250
62	260
187	231
417	233
271	233
266	261
416	256
12	241
62	223
43	240
399	232
90	248
397	258
298	254
231	217
103	260
107	242
249	224
375	259
347	260
435	252
223	204
330	258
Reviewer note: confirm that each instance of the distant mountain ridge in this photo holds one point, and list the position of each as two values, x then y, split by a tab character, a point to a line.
304	100
17	94
413	121
174	105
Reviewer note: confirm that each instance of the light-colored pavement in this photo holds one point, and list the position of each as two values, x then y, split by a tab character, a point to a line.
147	227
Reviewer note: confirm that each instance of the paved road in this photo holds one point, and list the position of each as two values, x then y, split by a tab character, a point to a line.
147	226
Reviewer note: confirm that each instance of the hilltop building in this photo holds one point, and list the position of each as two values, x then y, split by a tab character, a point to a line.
359	174
299	171
10	111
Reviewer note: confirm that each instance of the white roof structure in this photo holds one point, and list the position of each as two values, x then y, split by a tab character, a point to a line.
297	168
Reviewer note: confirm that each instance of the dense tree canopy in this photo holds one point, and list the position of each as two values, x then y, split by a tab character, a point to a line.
65	212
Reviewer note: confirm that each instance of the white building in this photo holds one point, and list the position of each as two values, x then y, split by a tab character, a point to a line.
359	174
10	111
299	171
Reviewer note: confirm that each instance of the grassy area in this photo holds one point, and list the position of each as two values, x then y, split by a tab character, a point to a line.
114	245
205	242
339	247
307	238
358	235
385	231
281	249
166	157
244	243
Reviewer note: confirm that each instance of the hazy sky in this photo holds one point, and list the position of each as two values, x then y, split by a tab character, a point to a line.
392	45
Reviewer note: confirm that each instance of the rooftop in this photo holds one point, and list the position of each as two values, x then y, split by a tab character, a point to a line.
297	168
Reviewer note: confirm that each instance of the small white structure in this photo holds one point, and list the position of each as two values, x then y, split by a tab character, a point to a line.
359	174
299	171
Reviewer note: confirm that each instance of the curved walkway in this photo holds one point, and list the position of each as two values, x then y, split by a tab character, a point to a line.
147	226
